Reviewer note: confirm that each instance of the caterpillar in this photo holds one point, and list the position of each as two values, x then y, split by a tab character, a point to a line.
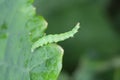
54	38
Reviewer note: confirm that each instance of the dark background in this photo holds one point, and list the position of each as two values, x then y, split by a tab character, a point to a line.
94	52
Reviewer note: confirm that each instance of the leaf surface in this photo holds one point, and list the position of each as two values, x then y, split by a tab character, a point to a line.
19	28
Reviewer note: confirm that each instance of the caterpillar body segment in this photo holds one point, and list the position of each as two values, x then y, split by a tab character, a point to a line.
54	38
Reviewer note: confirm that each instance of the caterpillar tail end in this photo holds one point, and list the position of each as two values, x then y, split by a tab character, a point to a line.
78	25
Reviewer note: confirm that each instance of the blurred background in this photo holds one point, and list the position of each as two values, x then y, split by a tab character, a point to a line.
94	52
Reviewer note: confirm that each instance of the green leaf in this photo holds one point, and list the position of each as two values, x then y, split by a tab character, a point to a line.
19	30
49	64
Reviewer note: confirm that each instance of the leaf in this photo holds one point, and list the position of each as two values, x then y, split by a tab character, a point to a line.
17	20
19	30
49	64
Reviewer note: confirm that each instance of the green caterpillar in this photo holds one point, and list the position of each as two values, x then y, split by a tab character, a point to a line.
54	38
